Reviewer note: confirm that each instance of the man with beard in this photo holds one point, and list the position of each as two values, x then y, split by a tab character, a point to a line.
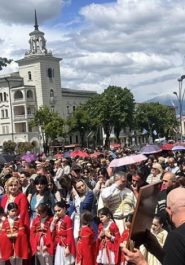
174	248
119	199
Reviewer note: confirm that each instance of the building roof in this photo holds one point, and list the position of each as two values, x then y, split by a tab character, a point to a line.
72	92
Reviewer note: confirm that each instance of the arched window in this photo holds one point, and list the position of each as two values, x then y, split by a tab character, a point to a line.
29	75
18	95
29	94
51	93
50	74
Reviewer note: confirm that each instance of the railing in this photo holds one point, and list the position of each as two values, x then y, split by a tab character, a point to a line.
19	116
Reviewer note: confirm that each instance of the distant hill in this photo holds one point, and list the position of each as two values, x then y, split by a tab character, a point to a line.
169	100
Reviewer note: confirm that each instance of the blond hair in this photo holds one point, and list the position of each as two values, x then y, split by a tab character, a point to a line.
10	181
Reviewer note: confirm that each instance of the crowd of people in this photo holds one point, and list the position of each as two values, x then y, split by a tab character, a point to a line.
79	211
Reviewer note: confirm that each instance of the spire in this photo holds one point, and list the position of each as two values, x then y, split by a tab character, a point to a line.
36	26
37	41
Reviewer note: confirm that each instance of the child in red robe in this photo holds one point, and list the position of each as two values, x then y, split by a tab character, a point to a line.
14	241
125	236
62	228
108	239
41	237
86	243
2	218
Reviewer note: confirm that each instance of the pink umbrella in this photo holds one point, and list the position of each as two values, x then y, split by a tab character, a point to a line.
58	156
127	160
79	153
115	146
95	154
29	157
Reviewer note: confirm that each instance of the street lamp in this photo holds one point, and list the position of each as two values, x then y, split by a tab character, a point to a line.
180	98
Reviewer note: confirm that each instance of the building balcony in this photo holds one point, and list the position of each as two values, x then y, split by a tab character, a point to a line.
19	117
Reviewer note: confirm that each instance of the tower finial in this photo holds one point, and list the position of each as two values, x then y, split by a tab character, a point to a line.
36	26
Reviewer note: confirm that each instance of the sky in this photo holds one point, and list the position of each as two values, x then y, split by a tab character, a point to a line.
138	44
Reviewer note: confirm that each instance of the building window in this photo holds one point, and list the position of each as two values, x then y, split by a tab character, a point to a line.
1	97
5	96
50	73
29	94
6	113
18	95
51	93
74	108
5	129
2	113
52	108
29	111
67	109
29	76
76	139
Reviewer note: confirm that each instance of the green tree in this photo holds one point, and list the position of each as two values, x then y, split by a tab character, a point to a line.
9	147
23	147
114	109
50	124
155	116
4	62
79	122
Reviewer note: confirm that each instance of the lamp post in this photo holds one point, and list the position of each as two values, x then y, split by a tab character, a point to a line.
180	98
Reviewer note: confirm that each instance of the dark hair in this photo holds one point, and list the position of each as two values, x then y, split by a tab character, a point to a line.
26	173
86	218
76	168
1	210
61	204
43	208
128	218
51	180
41	179
12	206
105	211
159	218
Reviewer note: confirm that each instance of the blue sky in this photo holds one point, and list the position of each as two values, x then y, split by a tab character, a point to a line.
71	10
138	44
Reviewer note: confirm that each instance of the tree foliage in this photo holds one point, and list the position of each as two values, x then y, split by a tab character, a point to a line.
114	108
4	62
50	123
9	147
155	116
23	147
79	122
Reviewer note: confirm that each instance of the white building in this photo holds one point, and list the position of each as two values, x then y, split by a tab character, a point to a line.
38	83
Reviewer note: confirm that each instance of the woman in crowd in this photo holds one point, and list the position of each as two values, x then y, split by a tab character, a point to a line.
13	194
41	195
83	200
53	188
